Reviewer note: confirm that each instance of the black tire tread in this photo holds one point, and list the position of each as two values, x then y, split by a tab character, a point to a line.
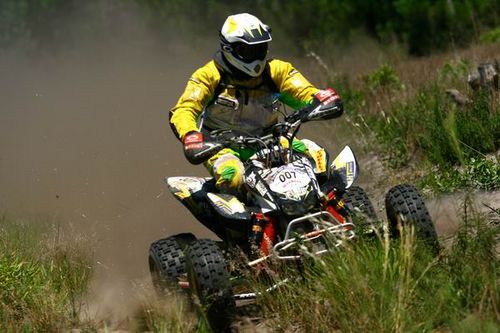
405	199
209	279
167	257
356	196
209	266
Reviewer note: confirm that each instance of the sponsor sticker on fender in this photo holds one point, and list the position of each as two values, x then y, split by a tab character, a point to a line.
320	158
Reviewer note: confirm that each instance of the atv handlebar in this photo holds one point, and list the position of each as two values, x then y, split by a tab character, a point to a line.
220	139
268	147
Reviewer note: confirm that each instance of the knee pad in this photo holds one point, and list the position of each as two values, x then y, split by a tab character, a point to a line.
228	171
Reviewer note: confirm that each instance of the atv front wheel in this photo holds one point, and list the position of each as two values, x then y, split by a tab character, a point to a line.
208	277
405	207
361	207
167	260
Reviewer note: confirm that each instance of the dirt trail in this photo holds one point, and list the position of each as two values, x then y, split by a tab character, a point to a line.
84	139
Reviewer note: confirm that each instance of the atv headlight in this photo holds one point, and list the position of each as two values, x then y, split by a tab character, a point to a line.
310	201
290	207
301	205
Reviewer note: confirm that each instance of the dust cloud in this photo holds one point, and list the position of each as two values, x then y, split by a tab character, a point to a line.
85	141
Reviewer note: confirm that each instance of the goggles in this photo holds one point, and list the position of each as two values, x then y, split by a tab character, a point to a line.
250	52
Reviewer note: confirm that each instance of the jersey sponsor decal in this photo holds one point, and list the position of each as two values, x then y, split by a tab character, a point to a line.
192	93
298	83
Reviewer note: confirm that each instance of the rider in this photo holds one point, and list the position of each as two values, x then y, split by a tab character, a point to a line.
241	89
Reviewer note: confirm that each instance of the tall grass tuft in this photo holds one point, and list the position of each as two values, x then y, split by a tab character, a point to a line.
374	285
43	277
166	312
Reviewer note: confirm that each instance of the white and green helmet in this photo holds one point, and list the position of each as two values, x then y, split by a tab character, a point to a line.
244	41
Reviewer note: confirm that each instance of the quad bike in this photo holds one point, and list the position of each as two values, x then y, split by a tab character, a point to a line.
292	206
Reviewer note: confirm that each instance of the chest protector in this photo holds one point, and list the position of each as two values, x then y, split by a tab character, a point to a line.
249	106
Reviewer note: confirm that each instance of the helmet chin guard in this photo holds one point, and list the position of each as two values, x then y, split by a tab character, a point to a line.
254	69
244	40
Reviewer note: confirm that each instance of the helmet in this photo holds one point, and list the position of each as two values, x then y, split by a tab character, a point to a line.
244	41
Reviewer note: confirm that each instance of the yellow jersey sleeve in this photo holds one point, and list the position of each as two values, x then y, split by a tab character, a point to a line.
296	91
198	92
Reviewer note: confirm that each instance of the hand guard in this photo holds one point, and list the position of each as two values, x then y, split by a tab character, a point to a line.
196	149
331	104
327	96
193	140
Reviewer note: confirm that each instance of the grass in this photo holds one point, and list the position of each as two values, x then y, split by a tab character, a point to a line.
169	312
381	286
406	116
480	173
44	277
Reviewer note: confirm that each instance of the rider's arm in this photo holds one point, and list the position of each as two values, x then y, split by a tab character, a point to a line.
296	91
199	90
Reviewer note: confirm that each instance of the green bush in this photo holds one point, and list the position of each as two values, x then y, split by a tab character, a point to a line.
454	72
491	36
477	173
384	77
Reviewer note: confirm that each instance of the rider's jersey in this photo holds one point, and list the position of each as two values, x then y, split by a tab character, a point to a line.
214	99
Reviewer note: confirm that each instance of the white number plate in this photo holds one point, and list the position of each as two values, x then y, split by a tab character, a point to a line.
289	179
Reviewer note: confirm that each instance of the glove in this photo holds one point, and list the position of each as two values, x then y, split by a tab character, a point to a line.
192	144
327	96
193	140
331	104
196	149
326	104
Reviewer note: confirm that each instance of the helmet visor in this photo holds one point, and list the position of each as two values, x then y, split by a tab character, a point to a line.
250	52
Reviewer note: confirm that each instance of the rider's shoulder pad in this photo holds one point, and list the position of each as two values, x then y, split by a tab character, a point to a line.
207	75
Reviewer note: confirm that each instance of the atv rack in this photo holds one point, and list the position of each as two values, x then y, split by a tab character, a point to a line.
324	223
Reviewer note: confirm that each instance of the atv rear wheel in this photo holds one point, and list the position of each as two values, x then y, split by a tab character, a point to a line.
167	260
209	280
362	208
405	206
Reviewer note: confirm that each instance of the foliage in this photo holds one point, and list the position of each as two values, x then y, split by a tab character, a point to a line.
423	25
42	281
425	128
432	126
454	71
476	173
491	36
383	77
376	285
